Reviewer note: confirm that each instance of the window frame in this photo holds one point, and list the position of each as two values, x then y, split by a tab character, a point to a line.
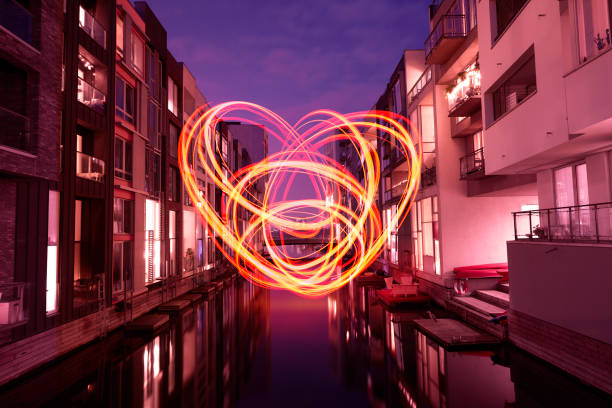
121	106
125	206
123	172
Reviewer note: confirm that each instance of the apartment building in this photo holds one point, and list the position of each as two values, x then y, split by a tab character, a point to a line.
547	110
460	215
30	164
101	181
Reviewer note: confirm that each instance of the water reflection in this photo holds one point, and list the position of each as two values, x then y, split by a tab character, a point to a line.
242	346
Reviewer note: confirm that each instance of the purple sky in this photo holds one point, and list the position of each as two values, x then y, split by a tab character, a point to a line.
293	56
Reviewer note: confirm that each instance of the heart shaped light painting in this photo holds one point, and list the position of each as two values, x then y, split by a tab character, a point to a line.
339	229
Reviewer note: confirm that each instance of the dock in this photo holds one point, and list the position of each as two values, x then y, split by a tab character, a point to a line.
390	299
147	324
453	335
173	306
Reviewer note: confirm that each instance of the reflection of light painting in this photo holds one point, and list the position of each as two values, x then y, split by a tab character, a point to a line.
340	224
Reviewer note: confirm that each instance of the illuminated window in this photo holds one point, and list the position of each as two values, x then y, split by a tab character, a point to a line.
172	97
152	241
172	238
424	218
137	53
52	251
120	36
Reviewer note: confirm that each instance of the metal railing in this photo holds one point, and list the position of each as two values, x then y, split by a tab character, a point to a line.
94	29
471	163
419	85
584	223
12	310
91	96
89	167
449	26
16	19
14	129
464	91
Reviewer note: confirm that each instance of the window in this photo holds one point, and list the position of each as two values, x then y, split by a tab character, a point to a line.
52	251
173	139
126	101
17	18
516	88
137	53
123	159
15	128
172	97
593	23
152	241
571	189
187	198
172	237
174	185
153	74
505	11
397	97
123	255
424	218
200	244
152	172
391	247
123	216
154	125
120	34
211	250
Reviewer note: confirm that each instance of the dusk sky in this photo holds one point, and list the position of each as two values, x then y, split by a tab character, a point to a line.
293	56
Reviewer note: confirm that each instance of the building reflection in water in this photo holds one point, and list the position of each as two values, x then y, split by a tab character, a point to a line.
204	357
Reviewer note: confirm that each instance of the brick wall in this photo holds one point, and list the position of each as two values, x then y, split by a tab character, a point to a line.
584	357
7	229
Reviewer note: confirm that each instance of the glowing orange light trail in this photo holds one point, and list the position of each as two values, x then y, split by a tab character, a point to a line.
352	236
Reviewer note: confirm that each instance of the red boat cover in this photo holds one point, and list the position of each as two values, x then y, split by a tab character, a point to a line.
477	273
484	266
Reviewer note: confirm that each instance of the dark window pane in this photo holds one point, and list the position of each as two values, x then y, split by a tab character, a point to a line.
118	154
120	95
128	160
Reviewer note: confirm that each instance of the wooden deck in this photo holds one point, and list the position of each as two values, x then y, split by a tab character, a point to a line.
392	300
453	335
147	324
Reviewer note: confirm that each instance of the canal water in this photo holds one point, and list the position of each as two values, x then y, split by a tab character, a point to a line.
247	347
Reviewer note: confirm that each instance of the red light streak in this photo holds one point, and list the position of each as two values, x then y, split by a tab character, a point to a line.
352	237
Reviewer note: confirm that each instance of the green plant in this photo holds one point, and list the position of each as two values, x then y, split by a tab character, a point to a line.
540	232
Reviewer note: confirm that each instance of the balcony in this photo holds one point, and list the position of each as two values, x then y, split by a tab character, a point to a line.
91	97
445	38
16	19
583	223
15	130
89	167
92	27
472	165
12	311
419	85
464	97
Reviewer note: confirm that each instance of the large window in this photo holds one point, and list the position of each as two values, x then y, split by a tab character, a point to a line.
152	241
15	125
153	74
397	97
173	138
120	38
152	172
172	97
154	128
172	238
505	11
123	216
517	87
392	244
137	53
123	159
593	23
126	101
571	189
123	255
52	251
174	185
424	217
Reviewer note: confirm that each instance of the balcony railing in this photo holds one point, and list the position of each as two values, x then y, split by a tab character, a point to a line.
450	26
12	311
428	177
92	27
471	164
16	19
464	99
582	223
419	85
90	96
14	130
89	167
